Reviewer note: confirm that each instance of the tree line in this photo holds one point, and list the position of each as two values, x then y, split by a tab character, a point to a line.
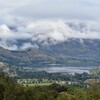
10	90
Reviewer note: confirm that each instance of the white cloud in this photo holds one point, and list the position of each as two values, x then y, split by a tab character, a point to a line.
6	33
28	45
46	32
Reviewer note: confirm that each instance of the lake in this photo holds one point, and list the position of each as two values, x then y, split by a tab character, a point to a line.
64	69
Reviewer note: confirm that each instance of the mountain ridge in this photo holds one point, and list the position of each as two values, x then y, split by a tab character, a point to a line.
74	52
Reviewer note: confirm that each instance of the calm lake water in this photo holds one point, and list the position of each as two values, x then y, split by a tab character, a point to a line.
64	69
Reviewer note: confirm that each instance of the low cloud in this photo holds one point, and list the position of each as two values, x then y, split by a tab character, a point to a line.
44	32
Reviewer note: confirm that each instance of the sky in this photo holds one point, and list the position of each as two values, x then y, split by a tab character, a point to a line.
40	20
50	9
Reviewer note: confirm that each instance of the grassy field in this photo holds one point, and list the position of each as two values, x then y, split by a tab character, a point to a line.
35	82
40	84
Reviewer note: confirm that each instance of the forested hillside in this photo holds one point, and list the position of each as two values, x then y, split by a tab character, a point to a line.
10	90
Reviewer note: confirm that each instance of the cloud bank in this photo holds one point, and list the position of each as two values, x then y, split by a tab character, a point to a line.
44	32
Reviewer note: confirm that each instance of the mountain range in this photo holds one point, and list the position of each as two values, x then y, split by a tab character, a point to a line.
73	52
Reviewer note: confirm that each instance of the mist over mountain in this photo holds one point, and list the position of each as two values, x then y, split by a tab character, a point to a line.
45	42
73	52
45	32
64	31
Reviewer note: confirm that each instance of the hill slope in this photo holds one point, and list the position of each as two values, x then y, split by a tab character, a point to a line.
29	57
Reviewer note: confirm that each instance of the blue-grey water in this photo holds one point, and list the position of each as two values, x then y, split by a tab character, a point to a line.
64	69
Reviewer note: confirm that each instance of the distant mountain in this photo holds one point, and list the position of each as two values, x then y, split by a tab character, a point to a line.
73	52
75	48
79	52
29	57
